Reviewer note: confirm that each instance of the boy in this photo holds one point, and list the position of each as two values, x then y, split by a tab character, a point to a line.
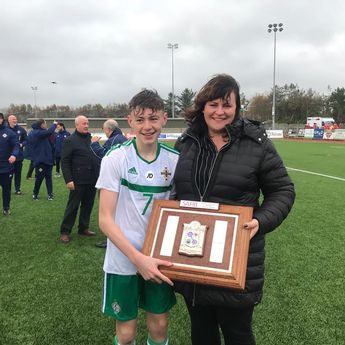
132	175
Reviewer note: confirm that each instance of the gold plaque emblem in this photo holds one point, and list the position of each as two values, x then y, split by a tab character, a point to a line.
193	239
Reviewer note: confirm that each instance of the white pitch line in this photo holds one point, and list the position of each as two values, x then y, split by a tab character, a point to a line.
314	173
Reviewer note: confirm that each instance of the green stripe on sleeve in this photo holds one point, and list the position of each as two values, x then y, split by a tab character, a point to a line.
145	189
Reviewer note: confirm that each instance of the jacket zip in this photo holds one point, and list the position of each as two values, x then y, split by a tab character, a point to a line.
197	160
214	163
208	182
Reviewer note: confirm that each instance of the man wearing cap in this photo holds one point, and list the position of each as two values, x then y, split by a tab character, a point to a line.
9	150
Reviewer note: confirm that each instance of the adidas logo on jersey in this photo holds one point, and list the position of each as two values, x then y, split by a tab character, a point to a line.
132	171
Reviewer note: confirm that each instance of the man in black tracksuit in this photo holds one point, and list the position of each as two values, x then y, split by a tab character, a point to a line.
80	170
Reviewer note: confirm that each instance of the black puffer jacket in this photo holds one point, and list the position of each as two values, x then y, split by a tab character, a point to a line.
245	166
78	162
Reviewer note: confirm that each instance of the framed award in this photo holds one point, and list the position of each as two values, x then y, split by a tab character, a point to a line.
206	242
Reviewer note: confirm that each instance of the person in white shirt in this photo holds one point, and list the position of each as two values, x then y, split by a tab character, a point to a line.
133	175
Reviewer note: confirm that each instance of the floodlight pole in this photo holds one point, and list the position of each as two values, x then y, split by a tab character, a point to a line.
55	83
274	28
34	89
172	47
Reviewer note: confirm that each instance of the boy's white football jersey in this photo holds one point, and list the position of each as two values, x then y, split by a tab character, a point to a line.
137	182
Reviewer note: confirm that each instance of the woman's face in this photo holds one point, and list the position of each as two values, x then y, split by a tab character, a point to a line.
219	112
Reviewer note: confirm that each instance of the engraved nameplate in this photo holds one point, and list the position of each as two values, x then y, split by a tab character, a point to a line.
199	204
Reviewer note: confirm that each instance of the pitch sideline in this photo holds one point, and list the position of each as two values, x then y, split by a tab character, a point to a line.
314	173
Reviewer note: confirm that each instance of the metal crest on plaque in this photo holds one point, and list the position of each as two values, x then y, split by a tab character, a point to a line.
193	239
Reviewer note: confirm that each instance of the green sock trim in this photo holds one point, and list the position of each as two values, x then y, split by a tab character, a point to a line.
152	342
117	343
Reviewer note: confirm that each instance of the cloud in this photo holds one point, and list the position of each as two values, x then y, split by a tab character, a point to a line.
105	51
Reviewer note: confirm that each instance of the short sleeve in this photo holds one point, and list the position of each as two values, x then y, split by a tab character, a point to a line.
110	173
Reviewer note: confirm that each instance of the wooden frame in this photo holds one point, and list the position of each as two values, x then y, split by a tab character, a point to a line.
223	261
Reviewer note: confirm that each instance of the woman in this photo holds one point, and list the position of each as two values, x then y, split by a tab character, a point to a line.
227	159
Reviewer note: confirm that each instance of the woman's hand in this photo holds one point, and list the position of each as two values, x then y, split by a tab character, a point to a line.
252	226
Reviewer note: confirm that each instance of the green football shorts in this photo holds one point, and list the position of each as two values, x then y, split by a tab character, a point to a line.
122	295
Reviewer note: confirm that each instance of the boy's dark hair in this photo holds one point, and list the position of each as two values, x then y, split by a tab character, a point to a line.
146	99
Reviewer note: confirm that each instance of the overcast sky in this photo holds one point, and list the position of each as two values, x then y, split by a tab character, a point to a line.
105	51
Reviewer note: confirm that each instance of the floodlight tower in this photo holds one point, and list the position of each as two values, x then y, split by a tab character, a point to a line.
34	89
172	47
274	28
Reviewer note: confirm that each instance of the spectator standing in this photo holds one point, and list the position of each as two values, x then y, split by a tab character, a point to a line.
42	154
114	134
80	171
21	134
9	150
60	135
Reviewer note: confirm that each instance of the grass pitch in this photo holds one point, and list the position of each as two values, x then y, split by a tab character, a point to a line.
50	293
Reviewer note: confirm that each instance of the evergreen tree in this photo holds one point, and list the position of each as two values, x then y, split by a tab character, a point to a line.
184	101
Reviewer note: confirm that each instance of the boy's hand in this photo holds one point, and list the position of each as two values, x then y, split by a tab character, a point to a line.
148	268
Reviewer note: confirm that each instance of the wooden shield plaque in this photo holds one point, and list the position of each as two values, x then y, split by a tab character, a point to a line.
206	242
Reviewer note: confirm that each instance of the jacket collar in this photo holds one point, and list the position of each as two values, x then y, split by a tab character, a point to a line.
239	128
82	134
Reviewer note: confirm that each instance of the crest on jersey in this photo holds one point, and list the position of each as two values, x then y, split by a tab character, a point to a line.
165	173
4	135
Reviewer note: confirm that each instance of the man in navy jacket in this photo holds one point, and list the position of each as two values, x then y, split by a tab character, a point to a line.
21	134
43	158
60	136
9	150
114	134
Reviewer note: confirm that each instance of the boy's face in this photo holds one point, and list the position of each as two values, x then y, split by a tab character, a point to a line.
147	125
